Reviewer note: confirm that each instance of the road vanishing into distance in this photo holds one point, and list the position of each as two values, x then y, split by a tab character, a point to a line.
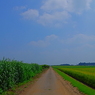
51	83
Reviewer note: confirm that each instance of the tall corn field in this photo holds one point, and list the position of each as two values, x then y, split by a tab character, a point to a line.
13	72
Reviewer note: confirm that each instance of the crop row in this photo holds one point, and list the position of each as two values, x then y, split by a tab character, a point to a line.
13	72
85	75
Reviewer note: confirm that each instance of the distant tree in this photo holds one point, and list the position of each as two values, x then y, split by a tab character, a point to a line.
45	66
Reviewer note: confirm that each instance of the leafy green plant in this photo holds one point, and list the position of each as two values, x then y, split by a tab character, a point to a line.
13	72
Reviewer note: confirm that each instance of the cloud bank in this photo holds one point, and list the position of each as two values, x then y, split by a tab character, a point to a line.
44	43
55	12
30	14
79	40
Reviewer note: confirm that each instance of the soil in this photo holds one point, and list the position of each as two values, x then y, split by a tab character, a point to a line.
51	83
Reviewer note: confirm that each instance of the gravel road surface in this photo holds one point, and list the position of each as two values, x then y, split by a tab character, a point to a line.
51	83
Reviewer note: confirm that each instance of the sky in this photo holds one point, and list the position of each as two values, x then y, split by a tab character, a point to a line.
49	32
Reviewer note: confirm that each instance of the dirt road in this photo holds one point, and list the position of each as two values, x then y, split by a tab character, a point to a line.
50	83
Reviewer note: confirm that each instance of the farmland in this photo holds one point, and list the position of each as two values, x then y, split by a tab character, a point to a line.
84	74
13	72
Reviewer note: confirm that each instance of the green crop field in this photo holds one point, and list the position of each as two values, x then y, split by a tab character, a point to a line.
85	74
80	75
13	72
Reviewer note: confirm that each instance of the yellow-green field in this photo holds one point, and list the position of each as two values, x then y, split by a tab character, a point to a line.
84	74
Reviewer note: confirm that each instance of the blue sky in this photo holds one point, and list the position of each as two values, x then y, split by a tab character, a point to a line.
48	31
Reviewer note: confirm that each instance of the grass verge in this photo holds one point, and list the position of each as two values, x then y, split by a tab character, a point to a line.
81	87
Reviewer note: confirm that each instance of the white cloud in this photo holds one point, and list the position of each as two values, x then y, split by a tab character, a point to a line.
51	37
57	12
79	41
44	43
80	5
67	5
53	18
51	5
81	38
30	14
